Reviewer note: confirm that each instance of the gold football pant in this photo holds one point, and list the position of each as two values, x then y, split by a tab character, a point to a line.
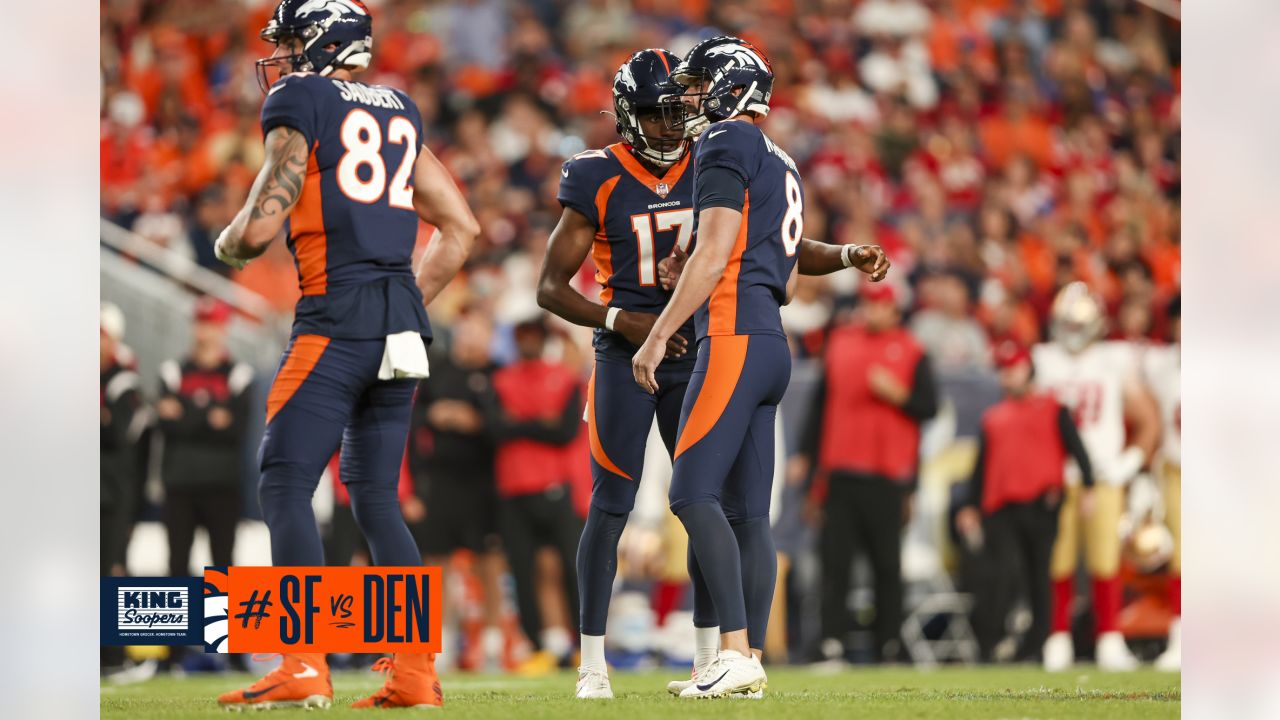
1099	536
1171	474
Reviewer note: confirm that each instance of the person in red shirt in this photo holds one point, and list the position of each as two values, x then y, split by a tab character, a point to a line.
1014	494
534	421
863	437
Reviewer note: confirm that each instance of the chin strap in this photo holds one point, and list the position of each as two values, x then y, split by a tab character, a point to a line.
656	157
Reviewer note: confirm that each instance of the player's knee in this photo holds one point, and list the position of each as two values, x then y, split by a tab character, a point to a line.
285	481
284	494
677	501
614	494
372	505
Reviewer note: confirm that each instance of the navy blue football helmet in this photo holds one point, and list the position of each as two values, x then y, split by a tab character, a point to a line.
333	34
739	79
643	84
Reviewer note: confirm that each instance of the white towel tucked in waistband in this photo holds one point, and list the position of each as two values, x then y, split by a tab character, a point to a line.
405	356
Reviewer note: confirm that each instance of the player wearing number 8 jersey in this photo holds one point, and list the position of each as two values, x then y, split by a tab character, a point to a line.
346	176
749	201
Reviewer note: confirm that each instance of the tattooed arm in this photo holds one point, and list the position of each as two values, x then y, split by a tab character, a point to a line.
272	197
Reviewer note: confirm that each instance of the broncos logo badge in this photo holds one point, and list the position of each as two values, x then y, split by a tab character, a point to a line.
335	8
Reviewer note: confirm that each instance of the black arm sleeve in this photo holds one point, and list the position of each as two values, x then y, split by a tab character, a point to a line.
1074	445
721	187
977	479
922	404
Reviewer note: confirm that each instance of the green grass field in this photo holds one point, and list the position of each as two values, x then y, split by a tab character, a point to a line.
1015	692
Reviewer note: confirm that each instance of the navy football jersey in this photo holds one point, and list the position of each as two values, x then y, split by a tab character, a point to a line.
353	230
639	218
747	297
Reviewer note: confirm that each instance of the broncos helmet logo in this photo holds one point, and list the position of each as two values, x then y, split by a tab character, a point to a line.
740	55
625	76
335	8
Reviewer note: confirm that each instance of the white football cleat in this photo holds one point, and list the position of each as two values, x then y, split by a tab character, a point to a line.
1171	659
1059	652
593	685
675	687
731	673
1113	654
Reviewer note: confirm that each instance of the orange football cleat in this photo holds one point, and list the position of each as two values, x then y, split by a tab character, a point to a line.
301	681
412	682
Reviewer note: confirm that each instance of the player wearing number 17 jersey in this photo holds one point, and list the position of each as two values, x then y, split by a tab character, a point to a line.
347	177
749	204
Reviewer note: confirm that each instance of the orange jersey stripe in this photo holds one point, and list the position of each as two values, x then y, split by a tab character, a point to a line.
306	225
643	176
303	356
597	449
724	366
601	250
724	298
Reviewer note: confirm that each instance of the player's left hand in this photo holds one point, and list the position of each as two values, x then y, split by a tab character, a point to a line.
670	267
644	365
870	259
220	250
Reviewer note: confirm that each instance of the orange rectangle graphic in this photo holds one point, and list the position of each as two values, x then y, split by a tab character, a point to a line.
333	609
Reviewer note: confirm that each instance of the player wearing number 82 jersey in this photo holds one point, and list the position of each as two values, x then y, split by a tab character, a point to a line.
346	176
352	233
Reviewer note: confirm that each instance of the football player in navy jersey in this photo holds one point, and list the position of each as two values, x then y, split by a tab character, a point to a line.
630	206
749	204
347	177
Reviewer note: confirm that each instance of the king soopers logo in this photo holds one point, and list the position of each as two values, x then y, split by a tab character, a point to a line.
153	608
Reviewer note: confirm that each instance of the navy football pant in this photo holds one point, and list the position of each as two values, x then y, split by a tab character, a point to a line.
326	394
722	480
619	415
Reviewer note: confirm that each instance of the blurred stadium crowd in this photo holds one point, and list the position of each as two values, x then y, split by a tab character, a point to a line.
997	149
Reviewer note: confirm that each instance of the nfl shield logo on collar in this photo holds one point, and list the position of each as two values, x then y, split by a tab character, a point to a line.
662	190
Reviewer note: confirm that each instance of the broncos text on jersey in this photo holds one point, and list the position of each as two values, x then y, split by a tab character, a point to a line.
640	219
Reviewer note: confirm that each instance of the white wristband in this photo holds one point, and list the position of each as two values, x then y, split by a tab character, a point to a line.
846	255
611	316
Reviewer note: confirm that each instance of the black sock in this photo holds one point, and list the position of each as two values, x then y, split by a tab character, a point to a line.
759	574
713	541
597	565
